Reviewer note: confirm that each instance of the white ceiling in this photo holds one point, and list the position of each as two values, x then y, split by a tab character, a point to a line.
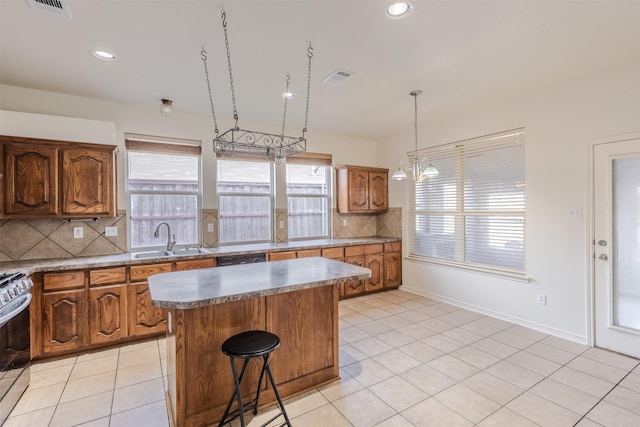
461	54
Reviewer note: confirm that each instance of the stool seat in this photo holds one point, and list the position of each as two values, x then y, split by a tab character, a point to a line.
250	344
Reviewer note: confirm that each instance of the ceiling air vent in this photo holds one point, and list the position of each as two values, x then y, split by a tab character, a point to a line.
55	7
338	76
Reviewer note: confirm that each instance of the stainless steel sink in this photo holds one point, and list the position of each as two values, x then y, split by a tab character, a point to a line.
190	251
166	254
151	254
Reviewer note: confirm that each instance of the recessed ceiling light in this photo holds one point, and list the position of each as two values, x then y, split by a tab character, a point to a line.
104	55
399	9
288	95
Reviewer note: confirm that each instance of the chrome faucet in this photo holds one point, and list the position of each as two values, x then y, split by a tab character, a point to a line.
170	243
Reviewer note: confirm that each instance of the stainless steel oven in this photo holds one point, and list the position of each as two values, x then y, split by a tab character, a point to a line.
15	349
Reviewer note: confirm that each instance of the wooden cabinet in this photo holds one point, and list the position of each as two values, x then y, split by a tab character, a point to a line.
279	256
195	264
362	189
392	264
64	311
31	180
44	178
353	287
144	318
88	181
107	305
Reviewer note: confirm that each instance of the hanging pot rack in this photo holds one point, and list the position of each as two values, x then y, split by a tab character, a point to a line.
243	142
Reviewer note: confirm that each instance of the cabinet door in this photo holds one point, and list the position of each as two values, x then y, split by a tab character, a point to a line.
358	191
374	262
392	269
3	179
88	182
64	320
144	318
31	181
107	313
378	191
354	287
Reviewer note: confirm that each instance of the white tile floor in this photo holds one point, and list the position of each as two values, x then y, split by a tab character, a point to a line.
405	361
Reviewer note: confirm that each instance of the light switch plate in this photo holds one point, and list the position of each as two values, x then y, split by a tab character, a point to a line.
210	227
281	224
78	232
574	213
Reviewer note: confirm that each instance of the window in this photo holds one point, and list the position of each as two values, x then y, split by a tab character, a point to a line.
163	184
473	213
245	201
308	195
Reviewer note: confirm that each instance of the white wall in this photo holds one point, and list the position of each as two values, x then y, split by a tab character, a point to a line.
148	120
558	123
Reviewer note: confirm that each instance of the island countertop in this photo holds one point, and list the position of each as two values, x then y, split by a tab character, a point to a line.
199	288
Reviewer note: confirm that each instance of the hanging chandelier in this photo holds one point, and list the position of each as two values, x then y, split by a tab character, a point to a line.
419	171
237	141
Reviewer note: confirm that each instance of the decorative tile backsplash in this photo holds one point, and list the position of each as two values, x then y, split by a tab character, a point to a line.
282	233
27	239
209	238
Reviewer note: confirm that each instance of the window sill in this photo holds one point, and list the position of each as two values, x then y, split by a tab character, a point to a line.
495	272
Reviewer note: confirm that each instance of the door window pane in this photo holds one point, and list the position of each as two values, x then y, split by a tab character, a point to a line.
626	242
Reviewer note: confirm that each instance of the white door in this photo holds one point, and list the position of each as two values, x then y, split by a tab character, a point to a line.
616	246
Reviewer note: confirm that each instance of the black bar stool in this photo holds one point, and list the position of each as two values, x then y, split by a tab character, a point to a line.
248	345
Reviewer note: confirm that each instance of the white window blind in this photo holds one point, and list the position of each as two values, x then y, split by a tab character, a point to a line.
472	214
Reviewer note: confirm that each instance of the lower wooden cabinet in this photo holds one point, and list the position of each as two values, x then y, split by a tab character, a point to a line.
375	263
64	320
107	314
354	287
144	318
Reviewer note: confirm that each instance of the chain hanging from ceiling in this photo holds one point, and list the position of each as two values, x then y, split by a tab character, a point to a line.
236	141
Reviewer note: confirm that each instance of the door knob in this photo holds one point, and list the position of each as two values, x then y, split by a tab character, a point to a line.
603	257
602	242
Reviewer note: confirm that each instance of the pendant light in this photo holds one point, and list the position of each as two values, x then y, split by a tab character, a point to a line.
417	170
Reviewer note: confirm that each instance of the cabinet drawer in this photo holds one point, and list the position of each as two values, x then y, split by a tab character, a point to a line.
107	276
373	249
66	280
139	273
309	253
278	256
333	253
393	247
353	251
195	264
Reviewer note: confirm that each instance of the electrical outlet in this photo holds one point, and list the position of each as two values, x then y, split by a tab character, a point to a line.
210	227
542	299
78	232
111	231
281	224
344	222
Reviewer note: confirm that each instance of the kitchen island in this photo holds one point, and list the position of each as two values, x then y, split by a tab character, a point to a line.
295	299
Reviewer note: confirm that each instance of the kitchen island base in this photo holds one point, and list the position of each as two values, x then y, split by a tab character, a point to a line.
199	380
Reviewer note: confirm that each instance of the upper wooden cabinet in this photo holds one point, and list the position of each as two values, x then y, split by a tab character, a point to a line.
44	178
362	189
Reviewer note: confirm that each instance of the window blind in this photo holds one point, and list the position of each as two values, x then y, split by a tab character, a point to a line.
474	212
159	144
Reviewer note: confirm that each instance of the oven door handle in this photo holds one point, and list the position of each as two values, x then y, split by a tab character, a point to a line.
16	310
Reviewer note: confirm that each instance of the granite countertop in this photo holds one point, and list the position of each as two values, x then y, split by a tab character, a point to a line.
198	288
61	264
